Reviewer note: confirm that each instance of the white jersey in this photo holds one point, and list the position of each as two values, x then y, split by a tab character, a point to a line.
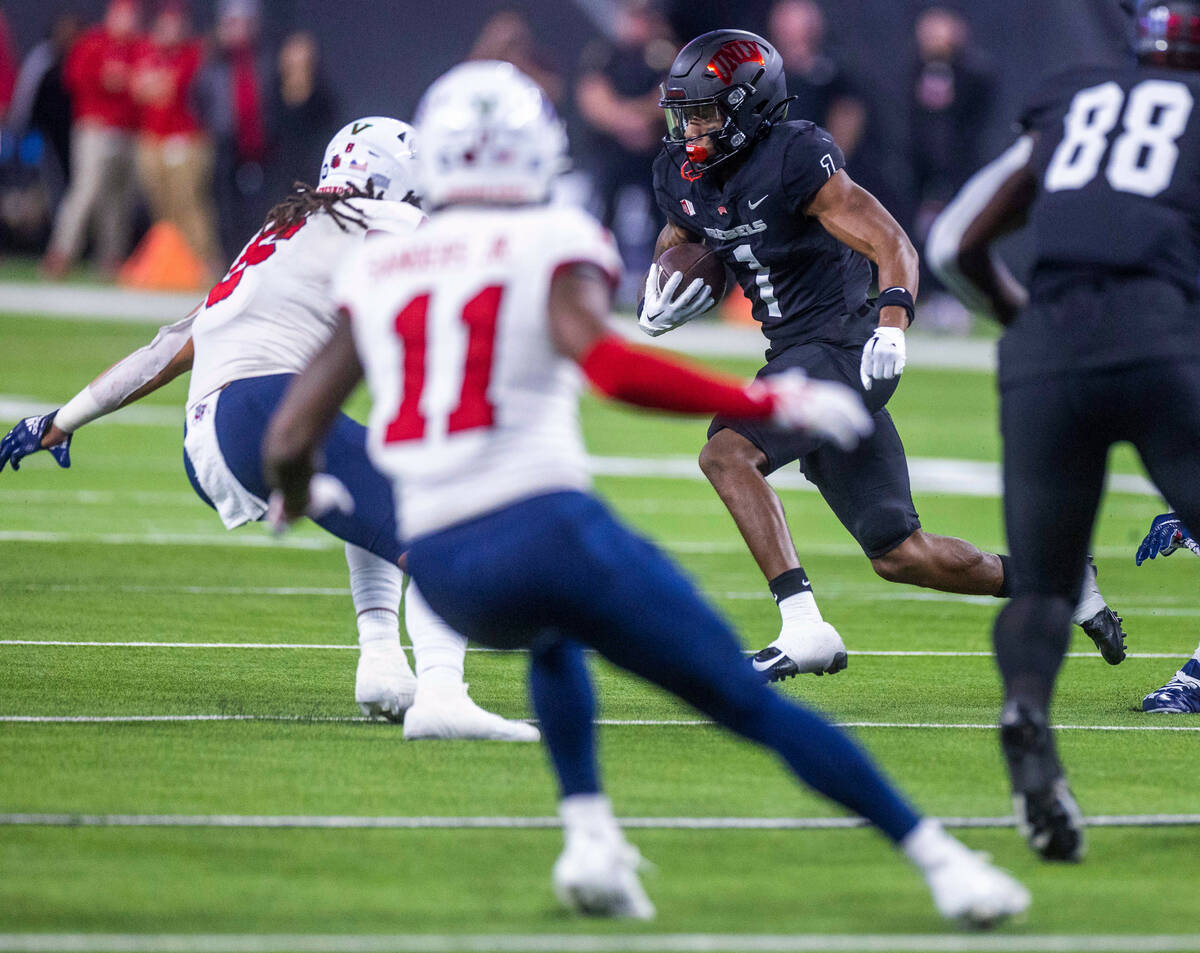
273	311
472	406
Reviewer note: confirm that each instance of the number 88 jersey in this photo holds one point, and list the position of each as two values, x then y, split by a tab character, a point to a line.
472	406
1117	152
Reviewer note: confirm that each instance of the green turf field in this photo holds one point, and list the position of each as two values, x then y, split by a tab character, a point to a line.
117	549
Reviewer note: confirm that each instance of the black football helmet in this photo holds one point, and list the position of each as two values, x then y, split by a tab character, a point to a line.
1168	33
730	75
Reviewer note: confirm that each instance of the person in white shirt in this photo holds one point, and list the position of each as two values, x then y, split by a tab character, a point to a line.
471	334
257	328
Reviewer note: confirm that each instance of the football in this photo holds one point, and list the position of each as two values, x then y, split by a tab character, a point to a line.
695	261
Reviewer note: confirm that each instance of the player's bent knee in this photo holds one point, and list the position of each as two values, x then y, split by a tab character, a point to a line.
727	453
905	563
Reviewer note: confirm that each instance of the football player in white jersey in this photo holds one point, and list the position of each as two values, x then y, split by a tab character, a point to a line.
472	333
258	327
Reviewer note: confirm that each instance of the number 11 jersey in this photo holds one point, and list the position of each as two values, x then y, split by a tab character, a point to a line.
473	408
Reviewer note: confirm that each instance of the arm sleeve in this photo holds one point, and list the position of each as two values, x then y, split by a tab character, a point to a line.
946	234
809	161
108	391
634	376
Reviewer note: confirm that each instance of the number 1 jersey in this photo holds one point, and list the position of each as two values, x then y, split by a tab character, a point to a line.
473	408
1117	155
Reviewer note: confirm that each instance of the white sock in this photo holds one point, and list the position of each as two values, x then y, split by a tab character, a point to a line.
928	846
587	813
1090	601
375	586
1196	654
799	609
438	650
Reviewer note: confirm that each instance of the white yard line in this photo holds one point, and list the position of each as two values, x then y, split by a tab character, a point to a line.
709	338
352	821
910	653
257	536
596	943
613	722
141	415
927	474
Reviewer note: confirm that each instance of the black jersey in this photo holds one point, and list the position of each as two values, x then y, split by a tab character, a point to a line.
1116	223
1118	164
803	283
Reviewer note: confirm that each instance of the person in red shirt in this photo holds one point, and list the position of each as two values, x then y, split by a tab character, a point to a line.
97	74
174	154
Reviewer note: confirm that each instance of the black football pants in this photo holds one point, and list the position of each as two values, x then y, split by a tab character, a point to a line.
1057	433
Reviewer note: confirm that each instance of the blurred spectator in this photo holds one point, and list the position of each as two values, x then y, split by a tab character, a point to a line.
97	72
507	36
40	100
303	115
174	155
617	96
230	96
8	66
953	91
822	89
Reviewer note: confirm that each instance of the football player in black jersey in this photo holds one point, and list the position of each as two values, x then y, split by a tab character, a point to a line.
772	198
1103	346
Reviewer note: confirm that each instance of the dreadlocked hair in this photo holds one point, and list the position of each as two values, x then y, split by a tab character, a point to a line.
304	200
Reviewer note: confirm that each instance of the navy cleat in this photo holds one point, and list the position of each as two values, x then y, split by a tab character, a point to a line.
811	648
1104	628
1046	813
1180	696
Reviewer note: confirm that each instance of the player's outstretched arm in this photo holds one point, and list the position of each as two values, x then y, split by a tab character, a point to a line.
855	217
131	378
994	202
304	417
579	302
1167	534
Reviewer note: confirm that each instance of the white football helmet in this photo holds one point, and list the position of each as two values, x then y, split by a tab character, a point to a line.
488	135
376	149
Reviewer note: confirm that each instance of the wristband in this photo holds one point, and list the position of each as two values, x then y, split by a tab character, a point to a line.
899	298
81	409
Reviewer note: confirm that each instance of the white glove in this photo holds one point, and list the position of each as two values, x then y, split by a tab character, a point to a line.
883	356
660	313
824	408
325	493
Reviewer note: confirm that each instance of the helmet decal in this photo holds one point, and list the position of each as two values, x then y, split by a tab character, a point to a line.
732	55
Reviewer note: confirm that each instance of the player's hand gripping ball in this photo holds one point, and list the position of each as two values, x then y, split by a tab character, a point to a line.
685	282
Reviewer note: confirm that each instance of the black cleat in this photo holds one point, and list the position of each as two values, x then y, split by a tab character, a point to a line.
1047	815
776	666
1104	628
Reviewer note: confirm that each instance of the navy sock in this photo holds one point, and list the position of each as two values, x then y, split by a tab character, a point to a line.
565	705
827	760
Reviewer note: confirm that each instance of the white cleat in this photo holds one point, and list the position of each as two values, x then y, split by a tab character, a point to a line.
384	686
812	647
450	713
968	889
596	875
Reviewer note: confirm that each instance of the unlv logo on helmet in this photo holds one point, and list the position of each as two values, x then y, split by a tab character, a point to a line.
732	55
